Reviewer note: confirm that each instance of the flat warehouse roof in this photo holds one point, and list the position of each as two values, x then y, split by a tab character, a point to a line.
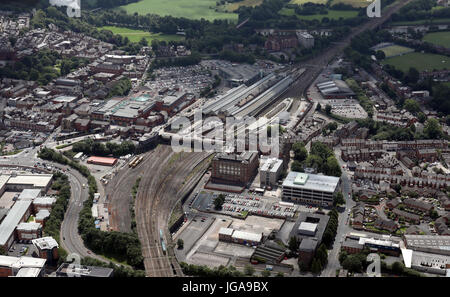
29	194
36	180
103	160
247	236
314	182
12	219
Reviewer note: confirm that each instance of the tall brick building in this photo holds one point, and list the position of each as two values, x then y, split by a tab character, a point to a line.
232	168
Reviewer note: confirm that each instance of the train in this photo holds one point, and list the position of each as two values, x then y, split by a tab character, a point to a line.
135	161
163	244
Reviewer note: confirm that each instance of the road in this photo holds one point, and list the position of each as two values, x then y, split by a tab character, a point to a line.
70	239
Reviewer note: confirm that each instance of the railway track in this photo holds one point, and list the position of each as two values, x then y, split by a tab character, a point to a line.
162	185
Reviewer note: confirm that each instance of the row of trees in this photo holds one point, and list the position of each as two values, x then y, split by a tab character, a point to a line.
193	59
89	147
330	230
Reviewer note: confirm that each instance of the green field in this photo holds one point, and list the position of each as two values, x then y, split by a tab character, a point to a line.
419	61
395	50
438	38
191	9
354	3
299	2
234	6
136	35
332	14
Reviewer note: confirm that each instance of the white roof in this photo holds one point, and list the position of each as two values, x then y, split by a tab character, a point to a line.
22	262
28	226
3	180
42	214
226	231
271	164
247	235
29	194
321	183
13	218
28	272
44	201
45	243
305	226
35	180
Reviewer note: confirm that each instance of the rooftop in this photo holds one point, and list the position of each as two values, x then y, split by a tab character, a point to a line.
247	235
29	194
13	218
45	243
313	182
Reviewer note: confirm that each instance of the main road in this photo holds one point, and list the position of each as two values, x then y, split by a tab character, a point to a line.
70	240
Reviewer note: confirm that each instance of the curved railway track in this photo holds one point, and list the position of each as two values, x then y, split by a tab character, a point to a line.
162	185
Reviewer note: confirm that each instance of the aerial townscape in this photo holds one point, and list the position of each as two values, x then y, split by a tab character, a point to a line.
225	138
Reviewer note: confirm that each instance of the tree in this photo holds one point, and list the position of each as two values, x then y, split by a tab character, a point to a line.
328	109
398	268
322	255
316	267
180	243
249	270
411	105
421	117
397	188
432	129
265	273
300	152
293	243
296	166
219	201
2	251
380	55
352	263
319	107
338	199
280	274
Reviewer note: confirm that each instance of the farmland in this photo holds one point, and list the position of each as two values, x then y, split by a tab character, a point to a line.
137	35
354	3
419	61
438	38
332	14
395	50
191	9
299	2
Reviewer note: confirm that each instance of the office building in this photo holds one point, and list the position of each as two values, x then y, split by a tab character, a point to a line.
47	248
269	171
310	188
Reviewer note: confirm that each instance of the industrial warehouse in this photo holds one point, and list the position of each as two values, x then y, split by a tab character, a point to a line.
335	89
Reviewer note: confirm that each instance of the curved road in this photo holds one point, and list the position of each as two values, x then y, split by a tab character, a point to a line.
70	240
